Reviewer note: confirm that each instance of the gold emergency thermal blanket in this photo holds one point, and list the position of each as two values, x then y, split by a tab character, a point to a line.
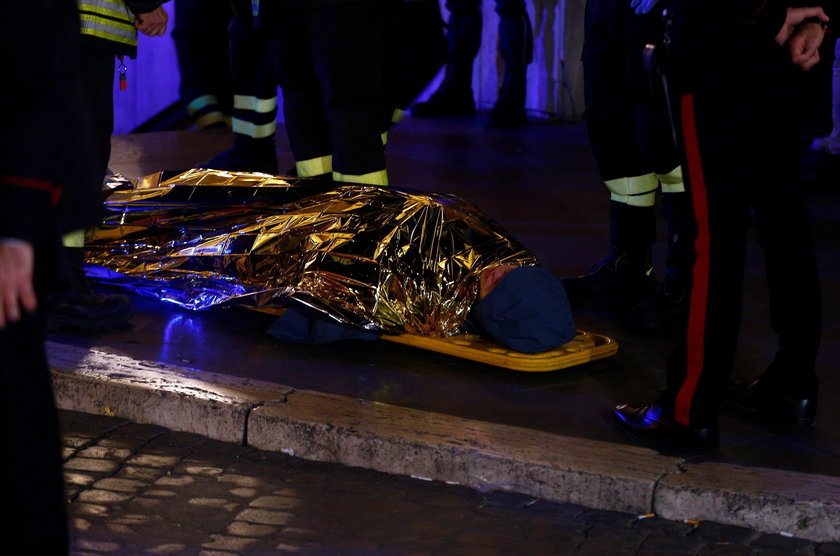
382	258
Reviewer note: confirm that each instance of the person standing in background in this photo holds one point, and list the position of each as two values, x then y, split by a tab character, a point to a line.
454	97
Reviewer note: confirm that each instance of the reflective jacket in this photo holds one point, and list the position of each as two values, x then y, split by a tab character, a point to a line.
109	24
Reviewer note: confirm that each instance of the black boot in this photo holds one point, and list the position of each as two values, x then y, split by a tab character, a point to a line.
616	280
454	97
668	309
625	276
76	305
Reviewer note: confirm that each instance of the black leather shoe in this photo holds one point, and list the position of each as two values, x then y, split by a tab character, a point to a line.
653	424
773	407
613	281
87	311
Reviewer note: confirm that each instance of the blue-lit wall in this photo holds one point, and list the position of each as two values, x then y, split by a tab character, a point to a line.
555	77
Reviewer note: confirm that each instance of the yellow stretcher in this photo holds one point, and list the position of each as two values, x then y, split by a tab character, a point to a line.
584	348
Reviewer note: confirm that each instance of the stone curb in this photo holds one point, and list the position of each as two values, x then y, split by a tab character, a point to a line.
482	455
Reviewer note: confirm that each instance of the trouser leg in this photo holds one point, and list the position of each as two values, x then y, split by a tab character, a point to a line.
463	40
516	47
98	87
202	50
699	368
254	116
33	490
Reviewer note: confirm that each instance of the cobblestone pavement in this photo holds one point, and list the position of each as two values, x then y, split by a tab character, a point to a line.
143	489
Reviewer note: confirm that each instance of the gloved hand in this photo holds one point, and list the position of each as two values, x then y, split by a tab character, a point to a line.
643	6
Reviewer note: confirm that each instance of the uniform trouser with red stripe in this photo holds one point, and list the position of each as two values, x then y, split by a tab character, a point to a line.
741	156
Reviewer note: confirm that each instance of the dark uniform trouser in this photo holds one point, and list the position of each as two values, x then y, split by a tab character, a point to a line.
741	152
33	485
97	75
202	49
252	73
628	127
329	63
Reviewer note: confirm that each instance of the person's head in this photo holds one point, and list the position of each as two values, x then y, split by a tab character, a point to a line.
524	308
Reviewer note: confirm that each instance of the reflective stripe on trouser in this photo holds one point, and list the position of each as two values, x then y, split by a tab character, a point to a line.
371	178
76	238
252	130
204	111
108	19
638	191
672	182
314	166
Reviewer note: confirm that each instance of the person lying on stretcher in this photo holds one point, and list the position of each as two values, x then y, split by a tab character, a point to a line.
345	260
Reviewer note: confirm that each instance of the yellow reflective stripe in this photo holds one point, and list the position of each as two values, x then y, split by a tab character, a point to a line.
253	130
209	119
379	177
200	102
633	185
673	188
76	238
120	14
643	200
672	182
97	27
314	166
261	105
397	116
384	138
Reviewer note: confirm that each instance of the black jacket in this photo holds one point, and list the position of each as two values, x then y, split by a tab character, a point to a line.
45	140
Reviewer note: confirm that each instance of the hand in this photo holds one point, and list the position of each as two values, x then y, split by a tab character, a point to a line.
17	261
804	45
795	16
643	6
152	23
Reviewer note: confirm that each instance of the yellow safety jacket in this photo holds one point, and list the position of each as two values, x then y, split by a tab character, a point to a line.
111	20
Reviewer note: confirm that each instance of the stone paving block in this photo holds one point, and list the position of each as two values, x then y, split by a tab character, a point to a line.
264	517
225	542
472	453
829	549
146	474
120	485
770	500
105	452
209	404
779	542
674	544
98	496
244	529
723	549
93	465
719	532
153	460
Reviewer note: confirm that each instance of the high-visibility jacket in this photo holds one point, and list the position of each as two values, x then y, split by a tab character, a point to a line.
110	23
